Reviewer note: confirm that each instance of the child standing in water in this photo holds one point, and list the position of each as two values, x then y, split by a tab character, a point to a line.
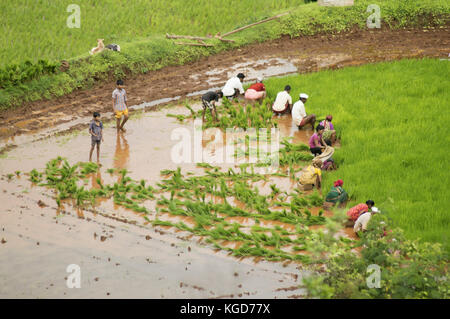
96	131
120	109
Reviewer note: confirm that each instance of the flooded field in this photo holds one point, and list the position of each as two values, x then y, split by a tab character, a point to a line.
119	252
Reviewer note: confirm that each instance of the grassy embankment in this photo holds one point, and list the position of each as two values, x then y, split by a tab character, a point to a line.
140	29
391	118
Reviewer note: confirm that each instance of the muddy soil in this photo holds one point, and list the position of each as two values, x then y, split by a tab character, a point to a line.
278	57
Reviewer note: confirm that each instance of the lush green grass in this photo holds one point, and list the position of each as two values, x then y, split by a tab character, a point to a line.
144	47
117	21
392	120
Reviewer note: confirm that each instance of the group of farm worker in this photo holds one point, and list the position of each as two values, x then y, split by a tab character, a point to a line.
320	143
232	89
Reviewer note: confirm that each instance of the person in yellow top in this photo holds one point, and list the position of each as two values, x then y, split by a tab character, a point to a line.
311	175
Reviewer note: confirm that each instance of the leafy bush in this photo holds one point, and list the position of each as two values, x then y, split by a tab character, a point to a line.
16	74
409	269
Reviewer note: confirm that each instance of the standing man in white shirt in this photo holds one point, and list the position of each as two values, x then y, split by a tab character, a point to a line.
283	101
234	87
299	113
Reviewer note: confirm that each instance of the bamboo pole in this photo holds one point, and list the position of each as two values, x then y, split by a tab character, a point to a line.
175	36
194	44
253	24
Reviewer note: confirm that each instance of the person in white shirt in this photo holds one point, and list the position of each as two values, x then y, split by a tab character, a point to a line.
234	87
283	101
299	113
363	220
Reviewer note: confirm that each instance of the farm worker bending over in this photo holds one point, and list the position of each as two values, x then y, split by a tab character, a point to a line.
209	100
234	87
336	194
257	91
316	142
354	212
120	109
283	101
329	135
363	220
299	114
311	175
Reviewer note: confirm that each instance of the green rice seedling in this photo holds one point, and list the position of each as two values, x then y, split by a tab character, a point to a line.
110	171
17	173
35	176
315	199
87	167
158	222
10	176
179	117
193	114
275	190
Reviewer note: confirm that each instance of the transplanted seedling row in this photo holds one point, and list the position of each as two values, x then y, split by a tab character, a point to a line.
234	116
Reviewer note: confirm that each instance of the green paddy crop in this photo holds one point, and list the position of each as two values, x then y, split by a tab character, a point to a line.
391	119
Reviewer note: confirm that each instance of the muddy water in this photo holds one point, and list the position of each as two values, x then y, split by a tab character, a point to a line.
114	245
251	68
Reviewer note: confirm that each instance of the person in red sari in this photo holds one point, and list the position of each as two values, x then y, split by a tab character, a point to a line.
354	212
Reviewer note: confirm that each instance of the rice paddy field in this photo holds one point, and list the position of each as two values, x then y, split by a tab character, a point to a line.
141	219
391	120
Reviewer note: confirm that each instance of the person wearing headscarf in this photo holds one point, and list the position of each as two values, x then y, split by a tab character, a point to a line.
329	134
256	91
354	212
337	194
311	175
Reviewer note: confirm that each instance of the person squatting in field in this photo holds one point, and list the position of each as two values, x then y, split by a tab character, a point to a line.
311	175
316	142
337	194
234	87
363	220
354	212
283	102
120	109
329	133
96	132
256	91
299	115
209	100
